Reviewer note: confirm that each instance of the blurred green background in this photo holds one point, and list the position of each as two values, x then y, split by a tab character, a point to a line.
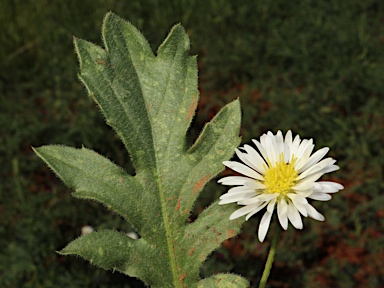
316	67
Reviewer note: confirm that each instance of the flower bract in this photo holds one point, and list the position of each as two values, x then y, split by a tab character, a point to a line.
283	173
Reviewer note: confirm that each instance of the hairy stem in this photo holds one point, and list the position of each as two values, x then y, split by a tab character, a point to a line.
271	256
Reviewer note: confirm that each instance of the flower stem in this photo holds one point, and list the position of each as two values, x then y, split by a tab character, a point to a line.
271	256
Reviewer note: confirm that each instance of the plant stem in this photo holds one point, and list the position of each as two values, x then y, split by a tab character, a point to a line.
271	256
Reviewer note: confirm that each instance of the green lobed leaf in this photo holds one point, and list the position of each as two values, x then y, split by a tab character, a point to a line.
114	250
97	178
150	101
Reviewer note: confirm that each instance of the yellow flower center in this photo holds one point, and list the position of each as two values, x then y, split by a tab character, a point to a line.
281	177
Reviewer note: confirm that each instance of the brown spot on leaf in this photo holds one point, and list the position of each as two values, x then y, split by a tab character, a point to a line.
231	233
178	204
216	232
191	110
201	183
182	276
191	251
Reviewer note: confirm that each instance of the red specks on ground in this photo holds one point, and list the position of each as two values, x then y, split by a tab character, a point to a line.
121	180
191	251
182	276
201	183
345	253
380	213
235	247
177	208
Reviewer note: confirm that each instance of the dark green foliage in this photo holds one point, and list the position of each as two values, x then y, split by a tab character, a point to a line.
311	66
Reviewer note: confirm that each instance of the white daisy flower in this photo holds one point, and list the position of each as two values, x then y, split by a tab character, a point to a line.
284	175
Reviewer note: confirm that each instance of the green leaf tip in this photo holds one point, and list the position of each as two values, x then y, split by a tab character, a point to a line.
150	100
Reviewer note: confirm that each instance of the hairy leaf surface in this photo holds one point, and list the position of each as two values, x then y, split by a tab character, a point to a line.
150	100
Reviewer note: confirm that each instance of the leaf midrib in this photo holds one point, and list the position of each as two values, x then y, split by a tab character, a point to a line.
167	225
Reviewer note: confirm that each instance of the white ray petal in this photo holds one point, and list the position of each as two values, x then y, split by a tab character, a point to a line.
301	207
304	185
304	193
288	137
271	205
282	209
262	143
327	187
240	188
246	159
262	140
234	198
287	145
264	225
313	213
310	178
294	216
261	206
261	149
255	185
302	147
315	168
279	143
297	198
320	196
243	169
249	194
242	211
295	144
255	157
316	157
259	198
330	169
233	180
270	147
304	157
